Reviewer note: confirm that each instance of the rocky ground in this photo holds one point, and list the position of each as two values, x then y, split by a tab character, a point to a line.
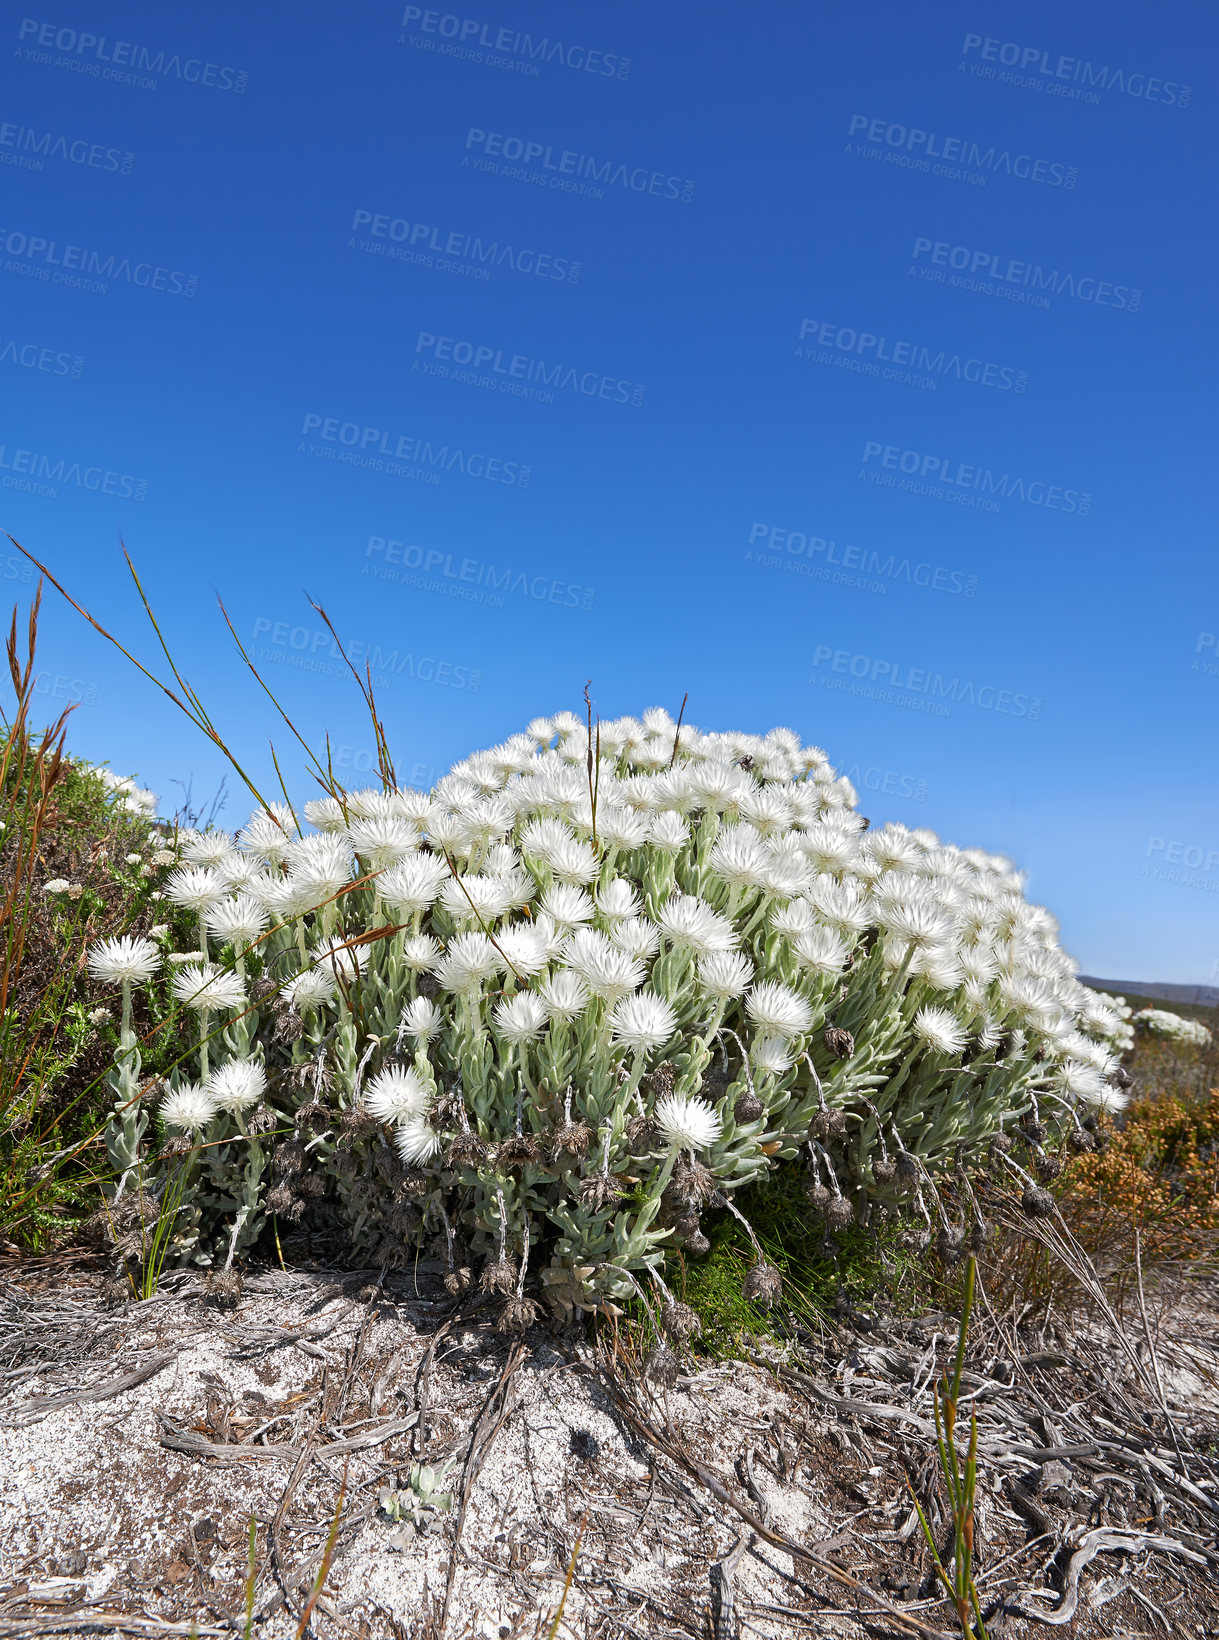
767	1499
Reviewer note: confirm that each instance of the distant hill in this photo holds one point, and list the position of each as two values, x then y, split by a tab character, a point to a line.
1197	996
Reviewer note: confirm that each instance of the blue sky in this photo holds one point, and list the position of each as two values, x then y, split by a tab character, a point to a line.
848	368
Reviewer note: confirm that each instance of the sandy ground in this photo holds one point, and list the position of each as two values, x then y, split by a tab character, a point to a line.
130	1507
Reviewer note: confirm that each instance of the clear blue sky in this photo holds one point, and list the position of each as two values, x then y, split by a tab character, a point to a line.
842	272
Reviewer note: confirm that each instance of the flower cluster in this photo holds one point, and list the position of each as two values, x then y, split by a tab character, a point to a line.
1159	1022
584	989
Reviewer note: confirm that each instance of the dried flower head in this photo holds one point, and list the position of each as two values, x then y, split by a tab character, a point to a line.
838	1042
1036	1202
838	1213
679	1321
518	1314
498	1276
762	1285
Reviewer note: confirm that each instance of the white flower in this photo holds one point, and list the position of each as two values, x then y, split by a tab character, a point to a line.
195	887
724	974
568	905
475	898
188	1108
687	1122
468	961
777	1010
618	899
311	989
124	961
421	953
668	832
416	1141
237	1085
208	989
238	921
396	1094
692	924
383	842
642	1022
608	971
421	1019
793	919
771	1053
637	937
413	884
821	951
1081	1081
565	995
940	1030
621	827
133	859
326	813
739	857
100	1016
523	948
346	962
521	1018
205	848
57	885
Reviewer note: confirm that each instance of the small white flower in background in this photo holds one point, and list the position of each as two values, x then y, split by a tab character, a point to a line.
195	888
237	1085
687	1122
156	896
642	1022
127	960
724	975
100	1016
636	936
416	1142
205	848
163	857
565	995
75	891
940	1030
772	1053
693	925
158	931
238	921
421	1019
777	1010
208	989
618	899
396	1093
421	953
345	962
311	989
57	885
188	1108
1161	1022
521	1018
133	859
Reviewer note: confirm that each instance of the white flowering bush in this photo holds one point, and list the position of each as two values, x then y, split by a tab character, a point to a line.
1175	1027
544	1016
